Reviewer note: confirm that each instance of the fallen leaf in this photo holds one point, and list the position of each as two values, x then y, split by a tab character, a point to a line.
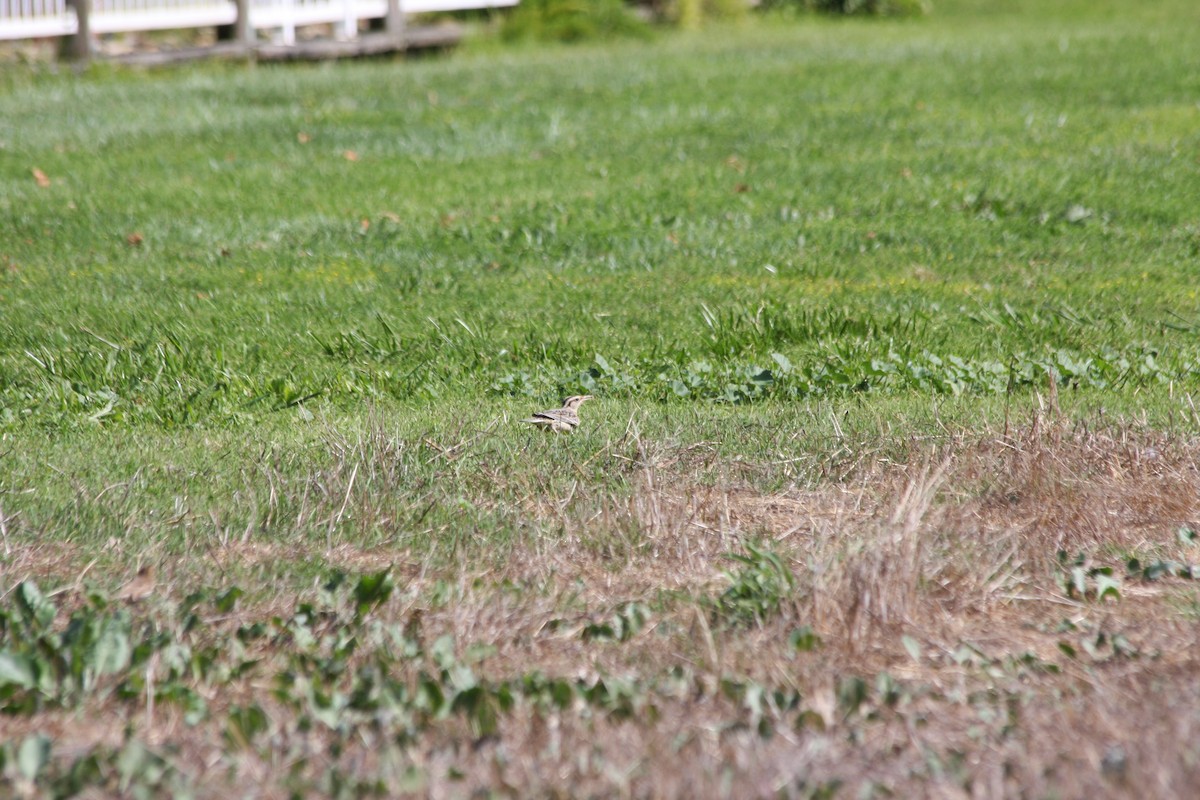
303	138
134	239
365	224
43	180
741	188
350	155
390	216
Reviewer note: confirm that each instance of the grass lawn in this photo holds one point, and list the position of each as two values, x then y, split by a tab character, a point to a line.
889	487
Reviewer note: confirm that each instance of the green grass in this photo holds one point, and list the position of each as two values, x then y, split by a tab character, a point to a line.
1000	193
269	321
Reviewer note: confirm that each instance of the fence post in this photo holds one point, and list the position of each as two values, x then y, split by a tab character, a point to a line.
349	22
78	47
240	31
391	24
394	22
287	33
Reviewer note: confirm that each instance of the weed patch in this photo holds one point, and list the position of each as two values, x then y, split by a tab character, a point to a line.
921	595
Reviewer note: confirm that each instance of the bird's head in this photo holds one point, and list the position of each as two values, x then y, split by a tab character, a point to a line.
575	402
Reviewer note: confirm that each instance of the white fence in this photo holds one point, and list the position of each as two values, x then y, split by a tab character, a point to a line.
32	19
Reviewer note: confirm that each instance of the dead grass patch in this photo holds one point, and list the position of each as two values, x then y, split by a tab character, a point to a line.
946	655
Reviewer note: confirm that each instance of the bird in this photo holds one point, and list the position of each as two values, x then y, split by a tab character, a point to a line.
140	586
560	420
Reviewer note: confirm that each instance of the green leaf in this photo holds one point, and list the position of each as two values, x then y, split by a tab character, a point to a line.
477	652
429	696
1122	646
1078	585
912	647
1153	572
372	590
803	640
968	654
245	723
851	693
809	720
112	649
227	600
196	708
131	762
142	771
561	693
442	651
16	669
461	678
480	710
1106	585
35	607
597	631
33	756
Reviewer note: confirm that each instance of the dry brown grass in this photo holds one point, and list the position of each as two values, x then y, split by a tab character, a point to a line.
934	581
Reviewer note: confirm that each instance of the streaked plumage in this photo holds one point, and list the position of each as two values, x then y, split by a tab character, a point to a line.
560	420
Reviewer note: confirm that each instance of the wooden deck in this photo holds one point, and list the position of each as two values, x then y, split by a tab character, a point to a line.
418	37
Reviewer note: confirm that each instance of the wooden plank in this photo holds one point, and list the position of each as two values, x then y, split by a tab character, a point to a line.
416	38
226	50
425	37
433	6
433	37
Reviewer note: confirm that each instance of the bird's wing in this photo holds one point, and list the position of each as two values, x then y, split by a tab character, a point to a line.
553	415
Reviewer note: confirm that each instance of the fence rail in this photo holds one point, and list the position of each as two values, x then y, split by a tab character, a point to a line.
35	19
32	19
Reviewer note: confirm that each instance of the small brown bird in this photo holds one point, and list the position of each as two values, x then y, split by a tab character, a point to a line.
560	420
140	586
